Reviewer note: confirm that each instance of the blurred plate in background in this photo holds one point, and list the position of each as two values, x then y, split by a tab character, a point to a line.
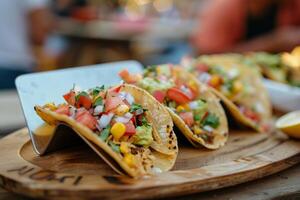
284	97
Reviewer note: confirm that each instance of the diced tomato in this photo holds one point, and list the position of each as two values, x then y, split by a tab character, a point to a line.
187	117
251	115
85	118
124	74
202	67
63	109
115	89
133	120
70	98
112	103
178	96
130	129
127	77
159	95
84	101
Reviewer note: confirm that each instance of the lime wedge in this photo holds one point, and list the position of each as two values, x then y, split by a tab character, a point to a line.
290	124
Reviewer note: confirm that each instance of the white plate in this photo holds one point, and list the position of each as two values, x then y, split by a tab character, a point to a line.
283	97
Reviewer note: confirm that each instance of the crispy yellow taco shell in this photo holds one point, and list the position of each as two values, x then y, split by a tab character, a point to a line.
164	148
251	77
218	136
221	133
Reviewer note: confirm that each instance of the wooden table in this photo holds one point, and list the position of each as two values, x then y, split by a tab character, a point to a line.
284	185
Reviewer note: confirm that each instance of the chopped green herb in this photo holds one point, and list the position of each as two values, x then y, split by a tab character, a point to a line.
83	93
135	107
229	84
211	120
97	90
144	121
104	134
197	117
99	101
115	147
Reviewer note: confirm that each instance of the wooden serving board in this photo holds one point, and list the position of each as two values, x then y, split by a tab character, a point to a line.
78	173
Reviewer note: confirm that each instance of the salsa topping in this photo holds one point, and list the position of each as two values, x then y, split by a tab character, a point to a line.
115	117
181	97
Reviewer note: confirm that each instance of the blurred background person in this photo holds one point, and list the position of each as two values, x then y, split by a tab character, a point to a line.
23	25
248	25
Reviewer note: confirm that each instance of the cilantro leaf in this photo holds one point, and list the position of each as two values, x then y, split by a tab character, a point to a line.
144	121
115	147
98	101
97	90
134	107
211	120
197	117
104	134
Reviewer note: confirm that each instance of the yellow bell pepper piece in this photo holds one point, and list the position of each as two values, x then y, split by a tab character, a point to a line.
118	130
122	109
129	159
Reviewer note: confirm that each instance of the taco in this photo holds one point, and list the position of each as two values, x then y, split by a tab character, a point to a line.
195	110
239	86
124	121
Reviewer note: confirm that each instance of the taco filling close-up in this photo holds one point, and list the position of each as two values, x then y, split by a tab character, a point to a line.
125	121
194	109
237	84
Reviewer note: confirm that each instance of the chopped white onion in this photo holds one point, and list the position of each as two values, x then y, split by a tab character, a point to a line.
77	89
122	119
129	98
204	77
72	112
139	111
233	73
193	105
128	115
105	120
122	95
208	128
186	90
98	109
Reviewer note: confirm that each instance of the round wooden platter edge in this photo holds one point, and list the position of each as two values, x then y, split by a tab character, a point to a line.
20	176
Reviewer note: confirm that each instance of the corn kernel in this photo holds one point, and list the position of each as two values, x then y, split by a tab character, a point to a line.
50	106
186	107
118	130
129	159
193	85
215	81
237	86
197	130
180	108
124	148
122	109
